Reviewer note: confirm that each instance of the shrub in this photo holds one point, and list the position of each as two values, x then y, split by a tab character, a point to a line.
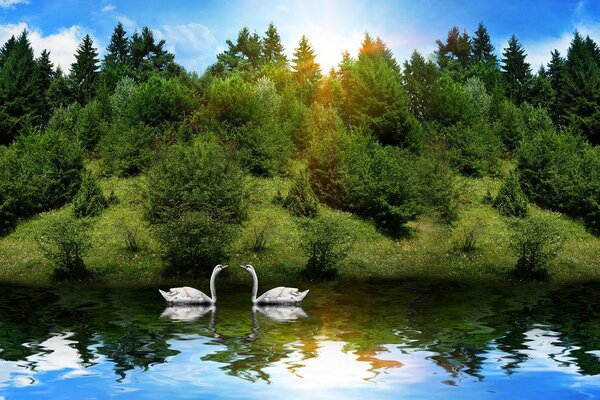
195	203
131	236
90	125
122	97
437	185
64	242
301	200
511	201
127	149
470	236
380	182
325	241
511	125
89	200
536	241
474	150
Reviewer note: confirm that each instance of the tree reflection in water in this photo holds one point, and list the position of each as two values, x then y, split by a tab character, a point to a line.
410	330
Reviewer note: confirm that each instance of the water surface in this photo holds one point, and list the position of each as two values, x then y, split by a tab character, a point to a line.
396	340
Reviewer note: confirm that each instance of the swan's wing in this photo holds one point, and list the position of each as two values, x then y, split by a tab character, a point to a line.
282	295
185	295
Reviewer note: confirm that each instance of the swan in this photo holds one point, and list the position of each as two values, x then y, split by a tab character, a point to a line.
185	313
189	295
278	295
280	313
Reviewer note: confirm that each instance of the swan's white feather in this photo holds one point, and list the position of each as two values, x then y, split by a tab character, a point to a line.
282	295
185	295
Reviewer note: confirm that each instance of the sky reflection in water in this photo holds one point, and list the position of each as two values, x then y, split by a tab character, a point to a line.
435	340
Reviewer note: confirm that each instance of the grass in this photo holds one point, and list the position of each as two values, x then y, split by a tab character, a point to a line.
431	250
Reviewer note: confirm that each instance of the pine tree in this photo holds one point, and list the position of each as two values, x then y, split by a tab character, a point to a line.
511	201
46	74
5	50
60	92
149	56
272	47
482	48
84	71
457	49
117	51
579	99
305	69
420	81
516	71
20	97
89	200
554	72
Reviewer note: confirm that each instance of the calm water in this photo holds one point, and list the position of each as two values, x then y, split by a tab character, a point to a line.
402	340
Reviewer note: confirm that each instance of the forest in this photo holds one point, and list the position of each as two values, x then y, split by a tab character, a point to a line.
461	164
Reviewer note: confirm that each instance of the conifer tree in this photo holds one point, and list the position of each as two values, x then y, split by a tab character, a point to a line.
516	71
482	48
5	50
46	74
20	98
305	69
457	49
554	70
272	47
148	56
579	98
117	51
84	71
420	81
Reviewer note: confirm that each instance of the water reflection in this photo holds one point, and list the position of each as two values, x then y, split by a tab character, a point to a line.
417	339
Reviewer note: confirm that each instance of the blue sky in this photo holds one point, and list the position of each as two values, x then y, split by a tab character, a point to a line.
196	30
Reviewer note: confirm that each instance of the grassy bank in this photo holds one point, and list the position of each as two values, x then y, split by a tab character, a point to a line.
431	249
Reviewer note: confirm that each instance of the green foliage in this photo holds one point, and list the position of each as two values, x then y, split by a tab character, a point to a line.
84	71
437	182
511	200
511	125
536	241
301	200
126	149
40	171
195	203
91	125
561	171
474	149
325	241
380	182
125	91
305	70
64	242
160	101
516	71
89	200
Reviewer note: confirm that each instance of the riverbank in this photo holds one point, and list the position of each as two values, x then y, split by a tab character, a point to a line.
432	249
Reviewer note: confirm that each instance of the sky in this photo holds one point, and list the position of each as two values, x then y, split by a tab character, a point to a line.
196	31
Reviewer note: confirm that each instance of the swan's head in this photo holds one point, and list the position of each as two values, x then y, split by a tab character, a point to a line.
247	267
220	268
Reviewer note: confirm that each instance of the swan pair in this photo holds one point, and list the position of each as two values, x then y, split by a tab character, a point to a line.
187	295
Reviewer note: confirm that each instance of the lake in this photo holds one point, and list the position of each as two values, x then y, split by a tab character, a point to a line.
413	340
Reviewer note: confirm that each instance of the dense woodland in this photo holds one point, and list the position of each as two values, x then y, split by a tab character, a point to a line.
381	141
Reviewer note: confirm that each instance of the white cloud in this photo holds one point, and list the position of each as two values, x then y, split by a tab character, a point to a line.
108	8
129	24
12	3
62	44
193	44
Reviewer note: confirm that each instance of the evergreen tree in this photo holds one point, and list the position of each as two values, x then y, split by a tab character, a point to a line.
554	73
60	92
149	56
84	71
511	201
305	69
89	200
5	50
482	48
420	81
457	49
117	51
46	74
579	99
516	71
247	51
20	97
272	47
541	93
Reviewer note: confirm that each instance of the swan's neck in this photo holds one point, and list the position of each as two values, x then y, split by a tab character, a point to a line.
213	289
254	285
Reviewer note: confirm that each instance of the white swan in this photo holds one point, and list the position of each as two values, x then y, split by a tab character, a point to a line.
185	313
280	313
189	295
278	295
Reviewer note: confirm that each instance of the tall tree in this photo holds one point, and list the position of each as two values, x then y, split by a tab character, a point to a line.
420	81
272	48
516	71
46	74
457	49
149	56
482	48
246	52
579	98
6	48
117	50
84	71
554	72
305	69
20	97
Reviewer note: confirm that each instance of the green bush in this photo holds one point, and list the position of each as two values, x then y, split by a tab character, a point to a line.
196	201
128	149
511	125
39	171
64	242
325	241
511	201
536	241
90	126
437	182
474	150
301	200
89	200
380	182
